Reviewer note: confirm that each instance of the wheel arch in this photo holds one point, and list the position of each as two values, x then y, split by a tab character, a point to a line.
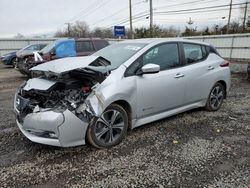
127	107
224	85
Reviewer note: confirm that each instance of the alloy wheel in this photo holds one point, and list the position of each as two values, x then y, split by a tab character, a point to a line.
216	97
109	126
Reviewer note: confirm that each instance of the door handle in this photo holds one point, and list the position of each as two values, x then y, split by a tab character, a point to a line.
210	68
179	75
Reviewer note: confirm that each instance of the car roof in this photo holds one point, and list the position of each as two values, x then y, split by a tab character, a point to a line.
160	40
83	39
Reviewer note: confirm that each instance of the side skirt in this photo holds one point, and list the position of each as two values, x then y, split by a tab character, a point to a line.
162	115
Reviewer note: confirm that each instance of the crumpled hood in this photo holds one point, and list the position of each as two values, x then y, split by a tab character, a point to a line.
64	65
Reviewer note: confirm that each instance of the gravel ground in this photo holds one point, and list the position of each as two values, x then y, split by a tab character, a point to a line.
193	149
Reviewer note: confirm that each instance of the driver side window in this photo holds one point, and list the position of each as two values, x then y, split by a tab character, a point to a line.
166	56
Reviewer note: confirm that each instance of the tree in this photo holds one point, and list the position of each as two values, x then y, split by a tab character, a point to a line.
18	36
235	27
248	24
190	31
78	29
206	31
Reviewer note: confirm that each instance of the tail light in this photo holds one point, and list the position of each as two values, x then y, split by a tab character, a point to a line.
225	64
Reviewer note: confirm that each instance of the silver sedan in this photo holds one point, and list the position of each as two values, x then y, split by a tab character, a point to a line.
123	86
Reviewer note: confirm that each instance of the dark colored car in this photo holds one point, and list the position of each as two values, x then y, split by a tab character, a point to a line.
28	50
9	58
59	49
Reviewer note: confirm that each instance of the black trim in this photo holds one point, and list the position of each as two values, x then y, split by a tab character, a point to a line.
139	58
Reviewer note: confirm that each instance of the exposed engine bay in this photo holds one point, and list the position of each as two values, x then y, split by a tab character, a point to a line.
69	92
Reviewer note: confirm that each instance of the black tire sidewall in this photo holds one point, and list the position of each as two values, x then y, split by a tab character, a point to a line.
13	61
91	129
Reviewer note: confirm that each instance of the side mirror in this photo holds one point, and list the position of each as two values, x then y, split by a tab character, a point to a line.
149	69
53	53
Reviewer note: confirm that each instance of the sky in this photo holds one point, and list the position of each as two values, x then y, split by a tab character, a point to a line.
38	17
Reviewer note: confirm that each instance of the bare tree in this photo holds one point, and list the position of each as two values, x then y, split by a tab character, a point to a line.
78	29
18	36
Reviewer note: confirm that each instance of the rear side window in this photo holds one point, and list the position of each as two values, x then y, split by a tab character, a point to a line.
99	44
84	46
194	53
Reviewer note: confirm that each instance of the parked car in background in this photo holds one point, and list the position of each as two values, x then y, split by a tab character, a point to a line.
62	48
9	58
26	51
123	86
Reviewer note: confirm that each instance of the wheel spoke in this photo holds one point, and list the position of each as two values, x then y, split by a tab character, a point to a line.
213	96
100	134
114	116
103	120
111	136
220	94
213	101
217	89
118	126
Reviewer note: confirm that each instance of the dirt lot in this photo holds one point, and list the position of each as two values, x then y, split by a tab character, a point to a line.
193	149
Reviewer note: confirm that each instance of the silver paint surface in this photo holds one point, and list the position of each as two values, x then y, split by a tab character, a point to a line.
150	96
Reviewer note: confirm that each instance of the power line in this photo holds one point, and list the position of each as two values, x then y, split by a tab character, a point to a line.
116	13
78	14
145	13
88	11
193	12
201	8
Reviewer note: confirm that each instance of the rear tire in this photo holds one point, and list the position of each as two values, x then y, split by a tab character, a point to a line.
109	129
215	98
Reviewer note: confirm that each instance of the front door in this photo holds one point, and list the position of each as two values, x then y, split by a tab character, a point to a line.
164	90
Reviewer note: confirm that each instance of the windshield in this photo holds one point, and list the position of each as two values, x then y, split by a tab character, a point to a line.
48	48
118	53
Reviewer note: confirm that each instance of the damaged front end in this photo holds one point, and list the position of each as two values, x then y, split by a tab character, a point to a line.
56	109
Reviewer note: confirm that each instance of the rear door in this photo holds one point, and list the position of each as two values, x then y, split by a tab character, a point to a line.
84	47
198	71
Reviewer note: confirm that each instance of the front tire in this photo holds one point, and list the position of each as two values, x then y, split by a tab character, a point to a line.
215	98
109	129
12	62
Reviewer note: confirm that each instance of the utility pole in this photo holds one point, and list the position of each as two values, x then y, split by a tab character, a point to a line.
245	16
229	16
151	17
130	18
68	28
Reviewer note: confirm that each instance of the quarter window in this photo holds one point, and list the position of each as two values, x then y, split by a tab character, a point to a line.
194	53
166	55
